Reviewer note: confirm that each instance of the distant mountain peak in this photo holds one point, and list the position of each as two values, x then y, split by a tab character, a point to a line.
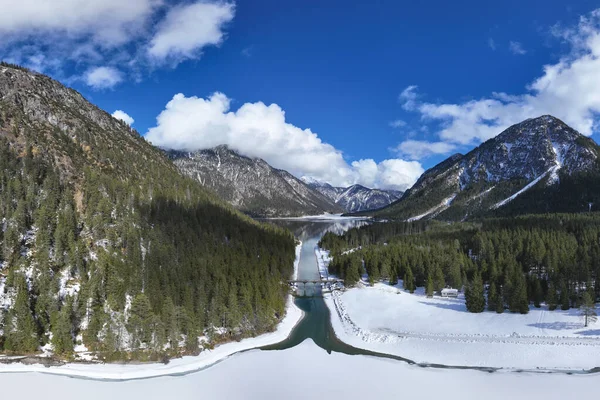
534	153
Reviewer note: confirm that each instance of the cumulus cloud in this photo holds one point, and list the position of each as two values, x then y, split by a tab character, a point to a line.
187	29
123	116
102	77
491	44
568	89
135	35
419	149
260	130
516	48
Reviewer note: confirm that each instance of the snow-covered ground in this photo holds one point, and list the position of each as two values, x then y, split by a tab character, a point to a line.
440	330
176	366
298	373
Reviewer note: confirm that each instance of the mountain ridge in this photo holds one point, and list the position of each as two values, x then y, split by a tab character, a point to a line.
356	198
534	154
251	184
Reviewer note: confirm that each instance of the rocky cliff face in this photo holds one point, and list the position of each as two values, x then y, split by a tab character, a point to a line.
537	152
252	185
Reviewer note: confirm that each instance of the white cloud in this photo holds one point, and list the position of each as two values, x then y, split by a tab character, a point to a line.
419	149
60	37
102	77
260	130
397	123
107	22
123	116
516	48
568	89
187	29
408	97
492	44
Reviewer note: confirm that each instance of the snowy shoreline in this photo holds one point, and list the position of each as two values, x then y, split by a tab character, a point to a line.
178	366
387	319
321	217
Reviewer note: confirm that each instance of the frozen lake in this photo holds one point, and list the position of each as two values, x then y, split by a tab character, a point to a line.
307	371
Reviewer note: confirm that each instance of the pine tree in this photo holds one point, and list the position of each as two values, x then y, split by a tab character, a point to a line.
474	295
439	281
22	335
552	297
564	297
538	294
139	323
409	280
62	334
393	277
492	297
429	287
588	309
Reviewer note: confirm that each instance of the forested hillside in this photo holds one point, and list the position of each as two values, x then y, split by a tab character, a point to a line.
552	258
106	245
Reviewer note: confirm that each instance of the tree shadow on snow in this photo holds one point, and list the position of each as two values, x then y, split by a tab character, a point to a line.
557	326
589	332
458	306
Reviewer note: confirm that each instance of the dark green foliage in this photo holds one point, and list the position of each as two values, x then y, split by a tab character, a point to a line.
20	329
537	258
552	297
429	287
92	205
409	280
474	295
588	309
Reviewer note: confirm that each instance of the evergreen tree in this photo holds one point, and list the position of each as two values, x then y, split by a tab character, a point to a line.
21	335
492	300
62	333
429	287
139	323
564	297
552	297
588	309
474	295
409	280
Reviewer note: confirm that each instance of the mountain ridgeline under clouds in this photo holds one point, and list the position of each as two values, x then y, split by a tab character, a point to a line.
104	241
539	165
356	197
251	185
254	187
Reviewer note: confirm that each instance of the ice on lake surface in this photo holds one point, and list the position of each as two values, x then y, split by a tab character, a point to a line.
307	371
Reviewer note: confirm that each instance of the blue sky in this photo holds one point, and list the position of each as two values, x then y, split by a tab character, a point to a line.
346	70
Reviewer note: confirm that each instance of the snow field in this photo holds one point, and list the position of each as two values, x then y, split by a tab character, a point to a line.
440	330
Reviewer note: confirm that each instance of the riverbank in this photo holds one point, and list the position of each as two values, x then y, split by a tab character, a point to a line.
389	320
179	366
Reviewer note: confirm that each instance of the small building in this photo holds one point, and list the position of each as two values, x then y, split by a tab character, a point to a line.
449	292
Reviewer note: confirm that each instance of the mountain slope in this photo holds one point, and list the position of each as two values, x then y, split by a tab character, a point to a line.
105	242
529	163
251	185
356	197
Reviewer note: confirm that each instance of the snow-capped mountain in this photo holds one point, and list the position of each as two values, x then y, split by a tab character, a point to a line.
356	197
526	168
251	184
